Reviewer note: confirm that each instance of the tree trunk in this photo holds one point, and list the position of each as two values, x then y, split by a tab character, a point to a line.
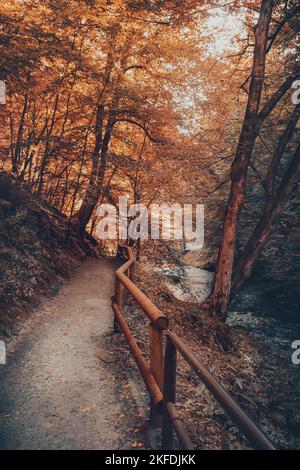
94	189
222	282
16	154
46	151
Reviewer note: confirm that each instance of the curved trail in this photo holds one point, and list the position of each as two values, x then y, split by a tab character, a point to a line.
55	392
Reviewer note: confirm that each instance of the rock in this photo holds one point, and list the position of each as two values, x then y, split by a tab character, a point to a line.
5	208
205	258
210	265
104	355
16	330
224	336
166	296
175	279
194	318
5	204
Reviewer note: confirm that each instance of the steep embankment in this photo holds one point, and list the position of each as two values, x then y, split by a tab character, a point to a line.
34	253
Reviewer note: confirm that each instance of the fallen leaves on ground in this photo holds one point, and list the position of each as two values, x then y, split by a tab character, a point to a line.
88	408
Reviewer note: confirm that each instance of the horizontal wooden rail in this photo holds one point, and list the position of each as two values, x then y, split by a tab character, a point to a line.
238	416
150	382
156	317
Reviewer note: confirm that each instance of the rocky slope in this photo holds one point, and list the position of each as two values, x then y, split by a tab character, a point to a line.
35	256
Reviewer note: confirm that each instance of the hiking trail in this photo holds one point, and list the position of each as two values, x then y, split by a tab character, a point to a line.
55	391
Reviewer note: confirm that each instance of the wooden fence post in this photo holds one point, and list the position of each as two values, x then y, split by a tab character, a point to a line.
118	297
169	393
131	272
157	368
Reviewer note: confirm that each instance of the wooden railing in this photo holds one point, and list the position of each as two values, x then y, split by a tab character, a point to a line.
160	375
153	373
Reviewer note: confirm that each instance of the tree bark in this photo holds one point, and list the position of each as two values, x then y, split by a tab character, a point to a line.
222	281
98	169
46	151
16	154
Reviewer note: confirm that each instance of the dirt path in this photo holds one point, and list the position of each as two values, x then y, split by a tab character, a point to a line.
55	392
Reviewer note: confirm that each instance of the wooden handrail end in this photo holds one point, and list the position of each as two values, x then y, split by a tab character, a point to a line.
161	323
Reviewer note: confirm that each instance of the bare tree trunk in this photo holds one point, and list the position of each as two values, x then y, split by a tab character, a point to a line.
65	192
30	170
27	156
79	174
94	189
17	151
222	282
103	195
12	142
46	151
52	194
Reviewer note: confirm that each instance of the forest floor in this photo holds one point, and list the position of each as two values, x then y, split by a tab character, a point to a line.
61	388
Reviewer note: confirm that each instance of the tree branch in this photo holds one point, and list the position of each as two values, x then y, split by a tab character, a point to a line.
141	126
